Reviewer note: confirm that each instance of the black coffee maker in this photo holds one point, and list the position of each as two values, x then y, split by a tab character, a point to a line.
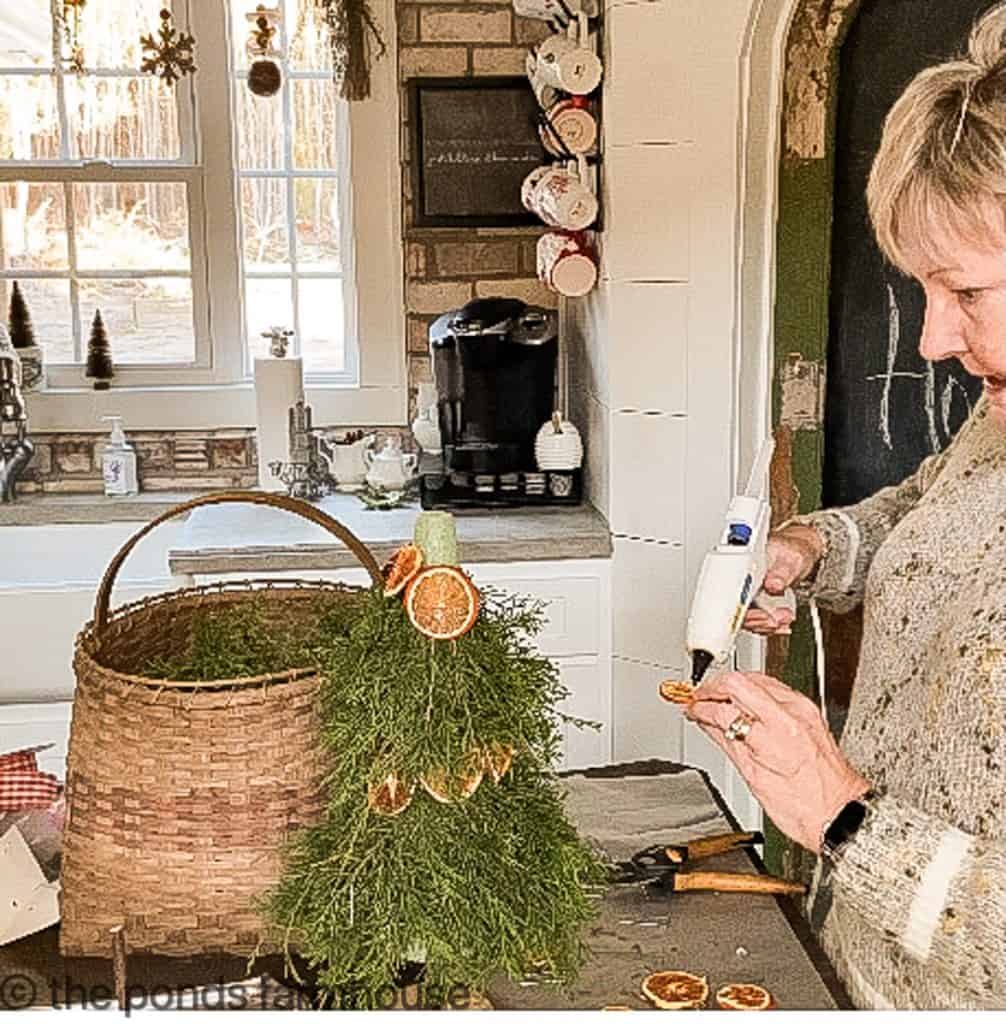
494	364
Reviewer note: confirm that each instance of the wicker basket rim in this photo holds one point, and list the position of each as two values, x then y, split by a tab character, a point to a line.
87	638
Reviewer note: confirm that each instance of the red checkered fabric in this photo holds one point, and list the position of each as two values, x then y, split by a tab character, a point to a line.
22	786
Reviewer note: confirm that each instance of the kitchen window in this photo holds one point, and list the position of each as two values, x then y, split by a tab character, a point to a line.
120	193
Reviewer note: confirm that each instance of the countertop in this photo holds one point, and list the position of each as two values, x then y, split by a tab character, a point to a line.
729	937
254	538
58	509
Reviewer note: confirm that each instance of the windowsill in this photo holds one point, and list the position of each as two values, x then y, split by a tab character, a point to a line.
204	407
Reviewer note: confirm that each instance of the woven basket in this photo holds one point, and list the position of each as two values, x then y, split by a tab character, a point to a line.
181	794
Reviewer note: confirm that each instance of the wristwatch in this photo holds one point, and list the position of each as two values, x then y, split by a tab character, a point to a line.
845	826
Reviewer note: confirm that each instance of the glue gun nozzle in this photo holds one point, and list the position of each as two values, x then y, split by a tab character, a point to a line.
701	660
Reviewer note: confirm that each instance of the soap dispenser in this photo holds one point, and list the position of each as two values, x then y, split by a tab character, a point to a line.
118	462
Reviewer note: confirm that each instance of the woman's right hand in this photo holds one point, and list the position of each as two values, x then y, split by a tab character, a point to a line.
792	554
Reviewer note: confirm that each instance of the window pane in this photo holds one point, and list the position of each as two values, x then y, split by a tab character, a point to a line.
265	224
110	31
26	35
32	226
314	103
322	326
308	49
129	118
29	118
267	304
241	27
48	305
318	224
147	320
260	130
134	226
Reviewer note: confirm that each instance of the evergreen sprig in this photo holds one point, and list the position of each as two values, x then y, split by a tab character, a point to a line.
495	882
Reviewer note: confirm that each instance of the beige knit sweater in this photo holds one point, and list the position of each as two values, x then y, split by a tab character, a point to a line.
918	902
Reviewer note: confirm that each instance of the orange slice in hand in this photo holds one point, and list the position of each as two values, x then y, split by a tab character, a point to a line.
743	997
390	796
402	566
677	691
442	602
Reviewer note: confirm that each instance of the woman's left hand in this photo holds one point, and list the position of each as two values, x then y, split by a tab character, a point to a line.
789	758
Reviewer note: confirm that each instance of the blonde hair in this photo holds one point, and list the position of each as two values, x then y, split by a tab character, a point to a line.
942	155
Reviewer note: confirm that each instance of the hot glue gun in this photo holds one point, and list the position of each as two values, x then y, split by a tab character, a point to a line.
732	574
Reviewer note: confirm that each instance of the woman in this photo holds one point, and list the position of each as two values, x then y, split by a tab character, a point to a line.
909	816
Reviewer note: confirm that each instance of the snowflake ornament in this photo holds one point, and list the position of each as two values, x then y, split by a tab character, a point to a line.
170	56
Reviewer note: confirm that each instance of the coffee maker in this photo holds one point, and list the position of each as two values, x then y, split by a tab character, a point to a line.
494	366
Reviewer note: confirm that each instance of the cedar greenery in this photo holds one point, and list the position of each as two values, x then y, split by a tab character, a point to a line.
99	355
22	334
499	881
236	641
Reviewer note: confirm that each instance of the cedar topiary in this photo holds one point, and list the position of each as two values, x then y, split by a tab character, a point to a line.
22	334
495	880
99	355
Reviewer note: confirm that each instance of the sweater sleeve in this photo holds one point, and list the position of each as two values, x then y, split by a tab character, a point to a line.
853	534
937	892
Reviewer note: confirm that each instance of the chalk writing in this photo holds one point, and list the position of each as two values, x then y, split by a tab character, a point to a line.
951	386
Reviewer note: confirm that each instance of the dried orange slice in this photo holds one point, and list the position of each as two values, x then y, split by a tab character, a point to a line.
677	691
445	789
497	759
400	568
676	990
743	997
390	796
442	602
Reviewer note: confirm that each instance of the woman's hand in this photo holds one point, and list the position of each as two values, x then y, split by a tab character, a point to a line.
792	554
789	758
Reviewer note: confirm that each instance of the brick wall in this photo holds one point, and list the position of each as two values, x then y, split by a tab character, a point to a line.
445	267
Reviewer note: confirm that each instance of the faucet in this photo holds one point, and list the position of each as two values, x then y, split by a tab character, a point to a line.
16	449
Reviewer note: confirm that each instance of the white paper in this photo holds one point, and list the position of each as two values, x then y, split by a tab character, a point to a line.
28	903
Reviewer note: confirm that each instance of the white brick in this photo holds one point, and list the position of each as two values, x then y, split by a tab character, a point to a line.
464	26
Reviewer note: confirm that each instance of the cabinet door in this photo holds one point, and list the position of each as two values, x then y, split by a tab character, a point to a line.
589	685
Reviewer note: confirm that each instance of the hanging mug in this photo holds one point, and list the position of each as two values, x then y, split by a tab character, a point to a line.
558	195
543	10
567	263
566	62
569	128
545	94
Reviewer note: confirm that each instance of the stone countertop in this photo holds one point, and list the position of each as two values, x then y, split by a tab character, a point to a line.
55	509
253	538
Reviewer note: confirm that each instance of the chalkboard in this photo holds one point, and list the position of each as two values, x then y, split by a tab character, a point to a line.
474	140
886	407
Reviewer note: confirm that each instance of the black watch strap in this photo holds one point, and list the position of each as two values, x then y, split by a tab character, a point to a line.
844	827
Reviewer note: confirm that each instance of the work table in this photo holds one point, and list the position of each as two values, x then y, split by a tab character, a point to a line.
245	538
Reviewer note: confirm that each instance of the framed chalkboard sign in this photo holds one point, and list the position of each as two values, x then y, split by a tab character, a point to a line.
473	141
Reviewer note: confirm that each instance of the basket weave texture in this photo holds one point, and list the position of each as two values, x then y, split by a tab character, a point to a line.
181	795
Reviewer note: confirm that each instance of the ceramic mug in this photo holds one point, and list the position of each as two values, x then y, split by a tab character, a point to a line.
566	62
557	194
571	128
567	263
545	94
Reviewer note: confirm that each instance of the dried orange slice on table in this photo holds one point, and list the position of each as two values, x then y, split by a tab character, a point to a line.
676	990
442	602
744	997
400	568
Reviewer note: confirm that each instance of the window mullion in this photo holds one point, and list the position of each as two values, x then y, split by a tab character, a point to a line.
220	278
291	207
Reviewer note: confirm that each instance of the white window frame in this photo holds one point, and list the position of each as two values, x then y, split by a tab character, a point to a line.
216	392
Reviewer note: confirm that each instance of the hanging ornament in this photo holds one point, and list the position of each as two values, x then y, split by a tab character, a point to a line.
70	16
264	76
352	35
170	55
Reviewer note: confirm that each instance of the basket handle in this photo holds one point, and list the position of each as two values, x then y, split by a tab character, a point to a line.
294	505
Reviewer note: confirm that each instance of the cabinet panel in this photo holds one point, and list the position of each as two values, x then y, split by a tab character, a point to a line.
649	608
643	724
589	683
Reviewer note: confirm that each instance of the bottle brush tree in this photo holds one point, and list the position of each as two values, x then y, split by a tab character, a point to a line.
99	355
22	334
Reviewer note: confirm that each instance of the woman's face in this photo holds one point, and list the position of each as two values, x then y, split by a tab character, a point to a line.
966	306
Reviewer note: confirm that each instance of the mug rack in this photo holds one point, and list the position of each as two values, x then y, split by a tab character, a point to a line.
564	16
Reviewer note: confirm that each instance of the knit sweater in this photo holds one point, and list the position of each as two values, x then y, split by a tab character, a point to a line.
917	916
